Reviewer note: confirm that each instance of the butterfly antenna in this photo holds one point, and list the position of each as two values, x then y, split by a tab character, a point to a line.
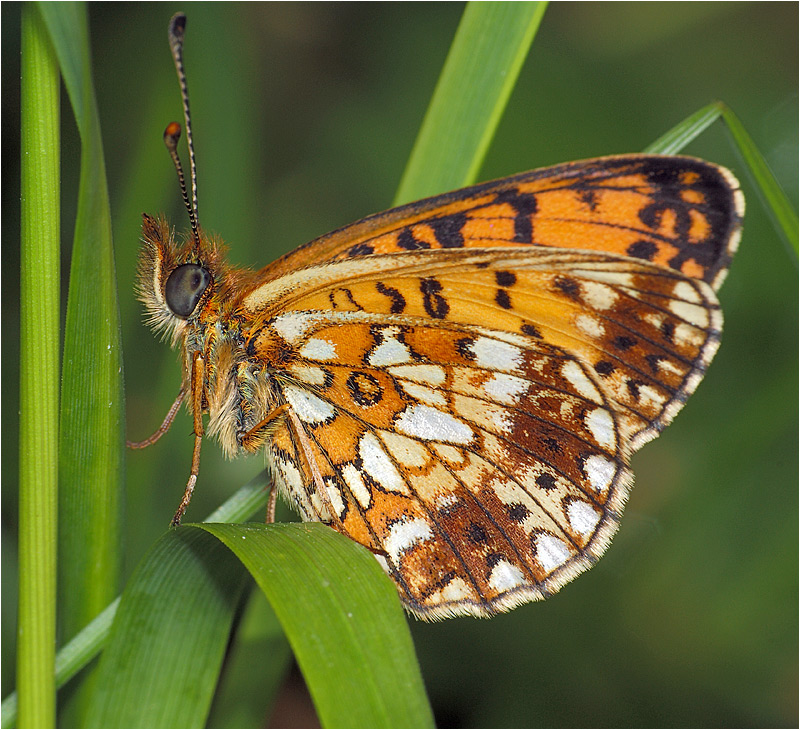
177	27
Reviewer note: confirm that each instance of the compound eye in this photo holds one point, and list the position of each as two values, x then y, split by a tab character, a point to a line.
185	287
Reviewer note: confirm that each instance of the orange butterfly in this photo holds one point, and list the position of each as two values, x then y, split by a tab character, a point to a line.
458	384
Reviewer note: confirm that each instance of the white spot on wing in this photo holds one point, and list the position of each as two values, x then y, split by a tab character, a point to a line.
293	325
651	397
600	472
355	482
424	393
577	378
317	349
404	535
496	355
685	291
391	351
378	464
455	591
551	552
597	295
582	517
601	424
405	450
505	576
506	389
687	335
692	313
335	496
590	326
308	374
307	406
291	475
431	424
423	373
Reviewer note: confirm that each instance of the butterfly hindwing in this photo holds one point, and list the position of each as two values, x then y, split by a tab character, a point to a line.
480	449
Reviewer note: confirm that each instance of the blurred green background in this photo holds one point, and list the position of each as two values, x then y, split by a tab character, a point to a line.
304	116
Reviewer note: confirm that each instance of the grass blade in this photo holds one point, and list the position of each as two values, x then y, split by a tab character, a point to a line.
90	641
477	79
91	455
682	134
39	365
672	142
783	214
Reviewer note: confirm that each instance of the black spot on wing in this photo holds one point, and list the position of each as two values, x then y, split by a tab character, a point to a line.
360	249
435	304
546	481
448	229
408	242
645	250
398	300
531	331
524	205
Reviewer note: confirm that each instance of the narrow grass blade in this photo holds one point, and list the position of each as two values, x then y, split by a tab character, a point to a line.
343	620
89	642
783	214
672	142
168	639
39	366
775	200
477	79
91	455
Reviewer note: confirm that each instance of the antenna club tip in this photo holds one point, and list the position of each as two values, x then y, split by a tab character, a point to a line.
177	25
172	134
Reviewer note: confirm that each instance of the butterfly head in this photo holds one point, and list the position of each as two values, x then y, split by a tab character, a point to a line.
178	278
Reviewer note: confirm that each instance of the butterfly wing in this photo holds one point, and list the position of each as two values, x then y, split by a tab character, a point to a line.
469	415
680	212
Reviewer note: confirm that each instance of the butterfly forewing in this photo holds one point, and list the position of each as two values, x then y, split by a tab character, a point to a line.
677	211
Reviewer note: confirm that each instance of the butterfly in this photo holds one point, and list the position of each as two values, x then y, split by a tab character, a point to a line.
458	384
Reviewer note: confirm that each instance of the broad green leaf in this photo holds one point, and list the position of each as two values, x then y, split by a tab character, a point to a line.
88	643
168	639
343	620
477	79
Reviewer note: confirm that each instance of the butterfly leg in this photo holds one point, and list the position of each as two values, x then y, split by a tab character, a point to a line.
313	468
252	441
198	374
165	426
273	499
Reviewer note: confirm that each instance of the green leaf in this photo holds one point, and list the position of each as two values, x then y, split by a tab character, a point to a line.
92	444
783	214
775	200
677	138
39	366
168	640
340	613
88	643
477	79
343	620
